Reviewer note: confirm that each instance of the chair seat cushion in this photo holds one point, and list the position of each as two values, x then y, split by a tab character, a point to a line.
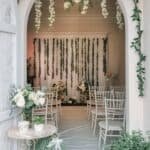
112	125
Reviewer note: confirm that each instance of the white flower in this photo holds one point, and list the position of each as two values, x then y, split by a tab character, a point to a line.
32	96
41	101
85	7
19	100
77	1
67	5
105	12
40	94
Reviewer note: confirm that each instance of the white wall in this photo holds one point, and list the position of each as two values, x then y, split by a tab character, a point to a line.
147	52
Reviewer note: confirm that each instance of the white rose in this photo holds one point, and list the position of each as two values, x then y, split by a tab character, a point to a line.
41	101
32	96
19	100
67	5
40	94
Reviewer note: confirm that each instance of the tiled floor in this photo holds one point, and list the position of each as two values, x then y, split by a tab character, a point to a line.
75	129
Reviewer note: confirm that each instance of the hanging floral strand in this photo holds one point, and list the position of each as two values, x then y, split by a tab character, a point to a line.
85	6
119	16
52	13
38	14
105	12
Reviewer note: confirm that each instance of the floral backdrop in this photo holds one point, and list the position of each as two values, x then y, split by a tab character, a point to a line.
70	59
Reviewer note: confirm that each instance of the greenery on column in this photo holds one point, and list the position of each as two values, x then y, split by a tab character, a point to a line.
136	44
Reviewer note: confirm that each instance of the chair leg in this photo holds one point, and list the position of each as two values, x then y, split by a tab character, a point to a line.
95	125
105	138
99	139
89	113
92	124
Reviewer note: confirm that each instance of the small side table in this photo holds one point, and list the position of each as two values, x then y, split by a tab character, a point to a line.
31	134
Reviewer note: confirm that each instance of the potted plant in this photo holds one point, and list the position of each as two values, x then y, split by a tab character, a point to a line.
38	123
23	126
26	99
134	141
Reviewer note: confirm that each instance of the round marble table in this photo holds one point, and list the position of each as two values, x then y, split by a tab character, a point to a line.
31	134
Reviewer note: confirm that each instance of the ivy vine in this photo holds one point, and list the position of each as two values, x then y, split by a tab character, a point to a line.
136	44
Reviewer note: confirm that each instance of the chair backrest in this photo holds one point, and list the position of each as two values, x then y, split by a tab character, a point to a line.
118	88
40	110
92	93
119	94
100	99
50	101
114	109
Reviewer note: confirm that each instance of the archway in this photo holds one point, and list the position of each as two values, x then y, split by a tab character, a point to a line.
134	105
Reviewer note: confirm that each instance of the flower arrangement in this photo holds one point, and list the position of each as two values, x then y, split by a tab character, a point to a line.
82	86
52	12
26	99
38	14
60	88
105	12
109	76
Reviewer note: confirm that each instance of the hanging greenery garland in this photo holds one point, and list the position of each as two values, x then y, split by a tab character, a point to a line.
45	59
72	61
78	57
85	63
88	59
93	61
48	70
53	54
57	47
136	44
39	58
66	66
105	55
34	57
82	56
61	59
97	56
